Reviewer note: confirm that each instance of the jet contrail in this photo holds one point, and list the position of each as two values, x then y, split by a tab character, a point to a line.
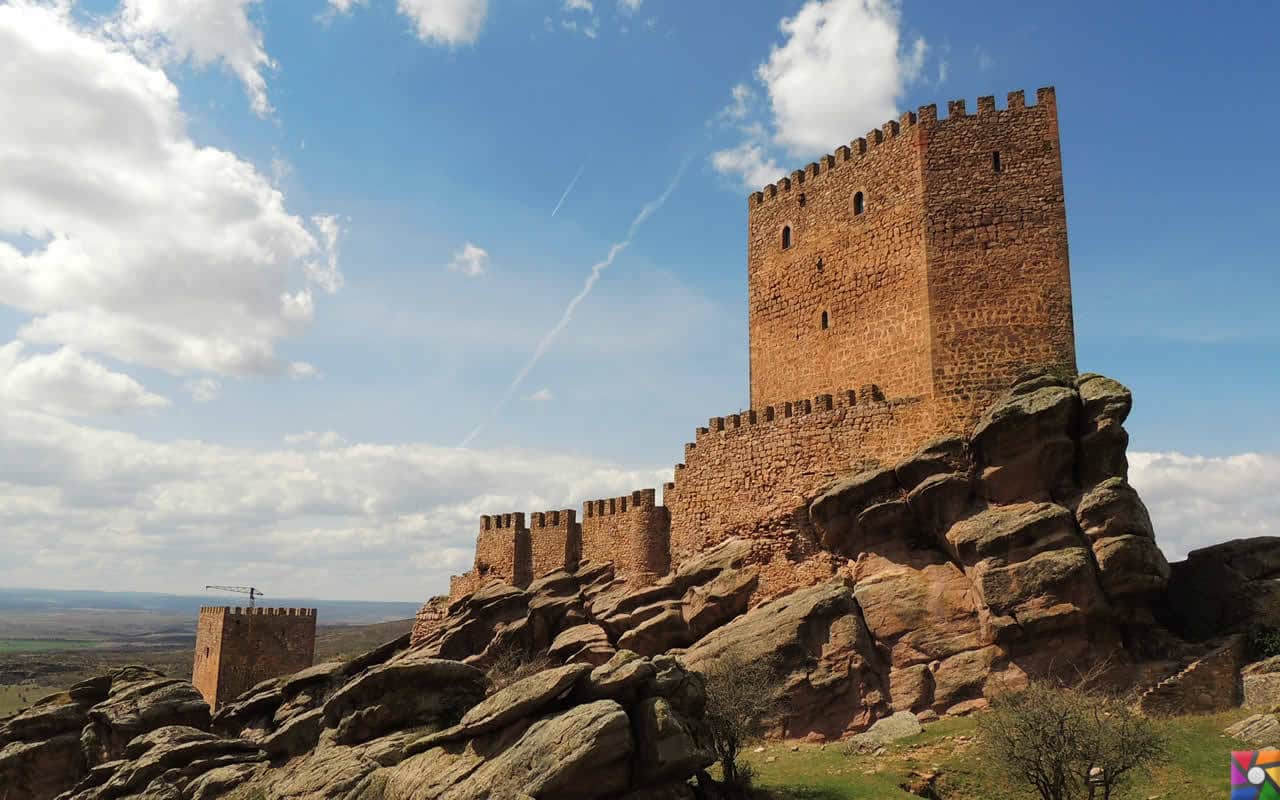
570	189
596	270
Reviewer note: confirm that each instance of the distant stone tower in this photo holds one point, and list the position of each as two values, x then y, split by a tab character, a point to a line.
237	648
928	259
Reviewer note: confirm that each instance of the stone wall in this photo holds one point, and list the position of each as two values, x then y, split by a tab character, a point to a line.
1209	684
950	282
866	271
633	532
555	541
237	648
996	246
753	474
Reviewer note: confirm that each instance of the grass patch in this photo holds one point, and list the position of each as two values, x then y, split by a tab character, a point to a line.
43	645
1198	766
17	697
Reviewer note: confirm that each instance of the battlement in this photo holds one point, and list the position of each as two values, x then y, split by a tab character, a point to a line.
553	519
927	116
513	521
638	500
258	611
238	647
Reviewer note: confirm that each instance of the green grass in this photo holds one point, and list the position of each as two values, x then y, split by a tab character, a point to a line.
43	645
1198	766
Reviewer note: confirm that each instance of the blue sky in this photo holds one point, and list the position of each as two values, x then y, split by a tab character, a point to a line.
368	145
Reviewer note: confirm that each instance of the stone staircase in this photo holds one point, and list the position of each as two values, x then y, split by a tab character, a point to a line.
1209	683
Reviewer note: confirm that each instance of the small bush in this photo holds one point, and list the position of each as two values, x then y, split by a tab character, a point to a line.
1264	642
512	663
740	701
1069	742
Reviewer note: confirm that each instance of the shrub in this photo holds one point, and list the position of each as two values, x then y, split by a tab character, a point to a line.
740	701
1069	742
511	663
1264	642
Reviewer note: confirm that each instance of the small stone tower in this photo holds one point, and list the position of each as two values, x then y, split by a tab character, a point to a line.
237	648
928	258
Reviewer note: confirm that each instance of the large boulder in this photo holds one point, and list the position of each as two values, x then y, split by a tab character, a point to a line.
140	701
830	678
1023	443
1225	588
416	691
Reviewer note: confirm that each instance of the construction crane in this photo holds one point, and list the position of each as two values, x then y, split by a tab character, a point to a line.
249	590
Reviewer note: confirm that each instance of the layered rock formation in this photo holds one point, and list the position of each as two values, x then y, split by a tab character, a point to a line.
395	724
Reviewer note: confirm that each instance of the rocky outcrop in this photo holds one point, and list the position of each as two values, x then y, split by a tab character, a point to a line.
396	723
1226	588
46	749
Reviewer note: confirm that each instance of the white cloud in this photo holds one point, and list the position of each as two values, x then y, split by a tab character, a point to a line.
202	390
589	29
630	6
148	248
541	396
578	5
315	439
1199	500
345	6
202	31
86	507
841	71
67	384
447	22
749	161
471	260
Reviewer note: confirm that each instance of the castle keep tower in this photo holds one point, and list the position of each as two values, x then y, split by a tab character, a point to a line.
929	259
237	648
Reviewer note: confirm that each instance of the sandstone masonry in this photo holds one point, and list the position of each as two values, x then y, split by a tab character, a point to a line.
237	648
895	288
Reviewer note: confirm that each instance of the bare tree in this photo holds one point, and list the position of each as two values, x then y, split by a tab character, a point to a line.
740	700
1067	742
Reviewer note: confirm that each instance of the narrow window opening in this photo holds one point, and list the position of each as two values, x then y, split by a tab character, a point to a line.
786	237
825	321
995	161
858	203
819	264
206	652
801	199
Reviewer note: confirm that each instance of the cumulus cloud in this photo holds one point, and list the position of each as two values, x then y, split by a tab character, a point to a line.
88	507
578	5
203	390
840	71
750	161
447	22
630	6
148	247
471	260
66	383
1196	501
202	31
541	396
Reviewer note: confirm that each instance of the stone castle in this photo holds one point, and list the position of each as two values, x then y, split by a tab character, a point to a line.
236	648
895	289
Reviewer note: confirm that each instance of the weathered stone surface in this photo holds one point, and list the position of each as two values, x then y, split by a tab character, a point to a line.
1112	508
709	605
297	735
1225	588
1023	445
830	678
582	753
622	678
887	730
1103	438
522	699
1131	566
1012	532
586	643
667	745
1260	682
1259	730
660	632
403	693
836	512
911	688
134	707
43	768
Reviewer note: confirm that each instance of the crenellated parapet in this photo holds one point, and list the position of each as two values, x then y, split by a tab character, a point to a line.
555	540
258	611
926	116
632	531
238	647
